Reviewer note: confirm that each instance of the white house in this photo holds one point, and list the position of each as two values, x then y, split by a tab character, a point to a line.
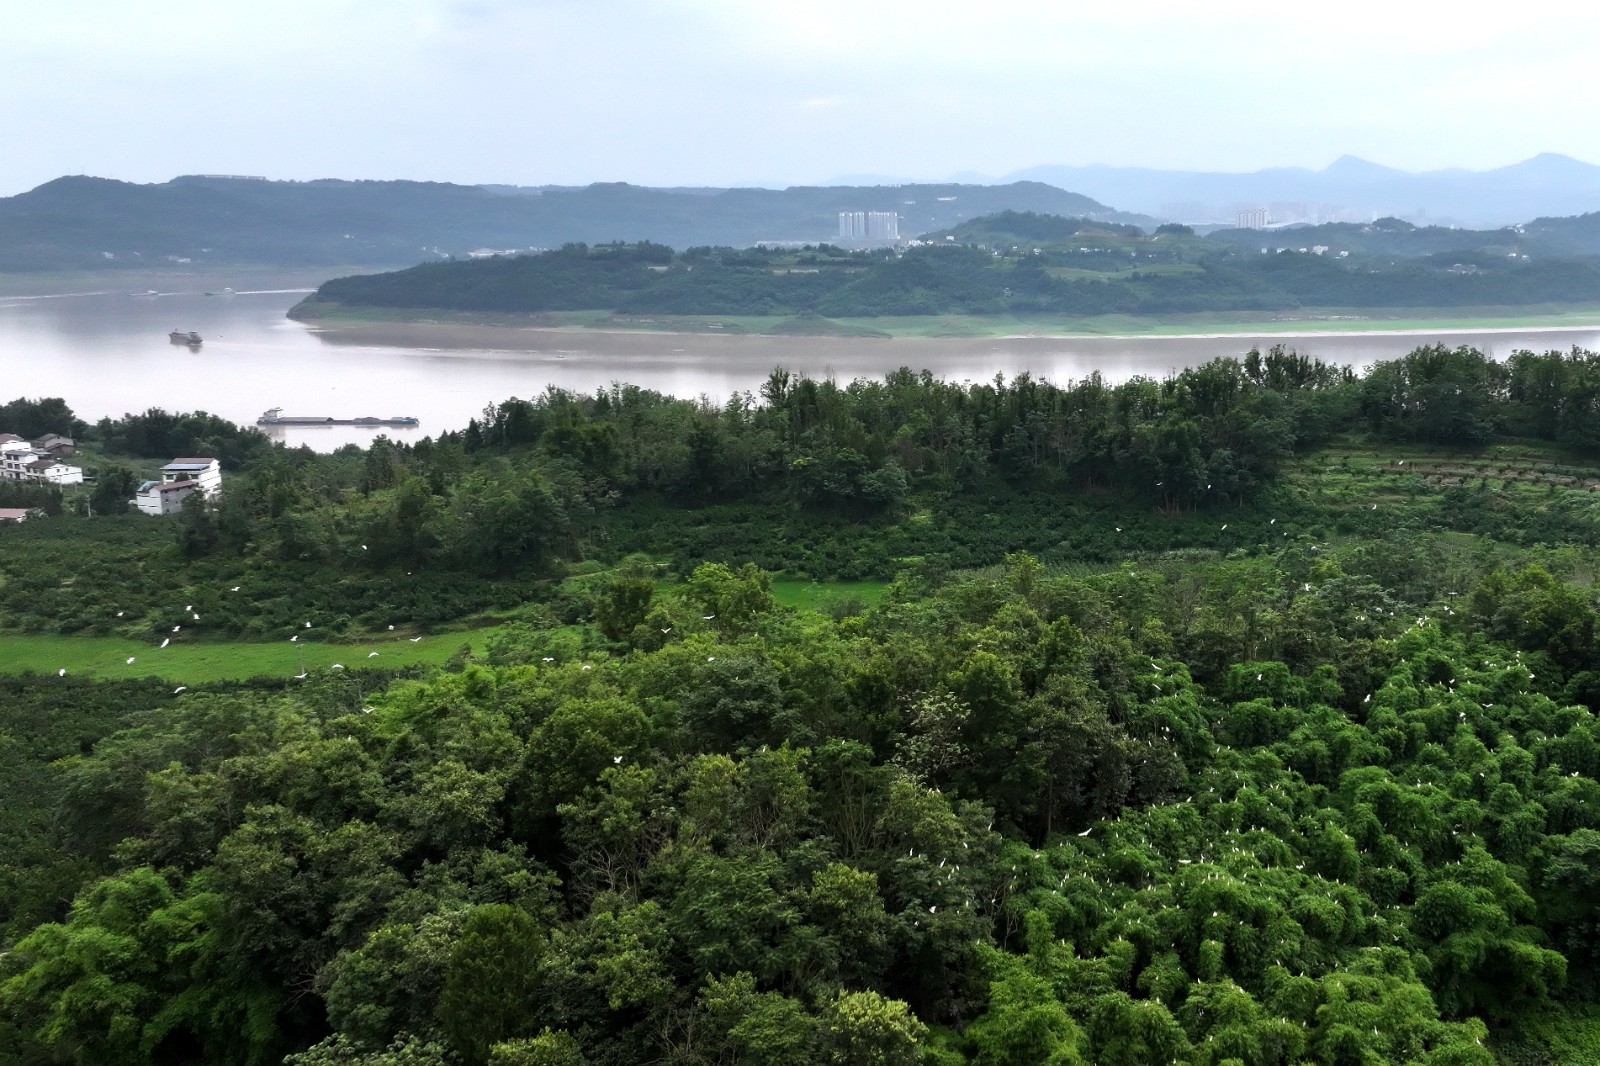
180	479
55	472
164	497
21	461
205	472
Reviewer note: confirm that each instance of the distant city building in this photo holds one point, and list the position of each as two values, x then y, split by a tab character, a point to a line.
1253	218
869	226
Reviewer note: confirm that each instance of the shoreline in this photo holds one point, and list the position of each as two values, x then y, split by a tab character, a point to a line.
493	332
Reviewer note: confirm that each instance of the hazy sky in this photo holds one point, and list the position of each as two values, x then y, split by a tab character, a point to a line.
719	92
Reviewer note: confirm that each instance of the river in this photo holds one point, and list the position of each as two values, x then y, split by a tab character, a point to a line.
107	353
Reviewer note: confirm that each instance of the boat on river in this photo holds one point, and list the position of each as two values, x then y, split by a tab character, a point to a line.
274	416
189	337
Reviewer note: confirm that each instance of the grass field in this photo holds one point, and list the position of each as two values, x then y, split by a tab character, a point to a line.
805	595
193	663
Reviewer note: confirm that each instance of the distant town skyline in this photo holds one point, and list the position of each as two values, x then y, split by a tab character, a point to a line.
718	92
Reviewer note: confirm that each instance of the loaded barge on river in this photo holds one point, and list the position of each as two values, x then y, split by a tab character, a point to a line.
275	417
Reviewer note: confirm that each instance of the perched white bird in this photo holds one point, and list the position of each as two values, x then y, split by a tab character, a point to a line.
130	660
196	618
391	629
180	688
308	625
188	607
294	638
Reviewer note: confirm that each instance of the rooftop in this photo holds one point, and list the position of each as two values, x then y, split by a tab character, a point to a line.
189	461
13	514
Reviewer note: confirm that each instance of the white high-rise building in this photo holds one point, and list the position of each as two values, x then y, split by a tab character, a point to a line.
869	226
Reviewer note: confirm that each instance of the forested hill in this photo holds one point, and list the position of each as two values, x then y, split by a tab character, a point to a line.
1241	718
1097	270
93	223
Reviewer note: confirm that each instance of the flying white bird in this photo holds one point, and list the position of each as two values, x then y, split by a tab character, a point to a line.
391	629
337	666
586	666
188	607
667	630
308	625
707	617
1086	832
234	589
711	658
120	614
176	628
165	641
415	639
301	675
363	547
180	688
130	660
372	655
549	658
294	638
617	759
196	618
62	672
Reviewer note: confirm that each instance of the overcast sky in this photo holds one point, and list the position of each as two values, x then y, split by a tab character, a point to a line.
719	92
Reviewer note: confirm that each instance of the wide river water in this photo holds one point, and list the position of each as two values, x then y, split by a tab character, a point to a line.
108	353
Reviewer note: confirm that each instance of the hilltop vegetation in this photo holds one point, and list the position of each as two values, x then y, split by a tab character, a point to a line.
1243	717
1006	264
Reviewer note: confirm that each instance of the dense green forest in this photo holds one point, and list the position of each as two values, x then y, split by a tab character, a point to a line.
1009	264
1241	717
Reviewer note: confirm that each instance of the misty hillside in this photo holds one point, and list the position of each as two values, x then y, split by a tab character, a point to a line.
1545	185
77	223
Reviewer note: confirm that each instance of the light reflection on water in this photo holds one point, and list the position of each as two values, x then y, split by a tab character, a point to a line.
108	353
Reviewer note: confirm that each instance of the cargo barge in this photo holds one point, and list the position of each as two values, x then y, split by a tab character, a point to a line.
275	417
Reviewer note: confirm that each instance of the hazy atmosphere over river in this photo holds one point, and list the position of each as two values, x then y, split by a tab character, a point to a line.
108	353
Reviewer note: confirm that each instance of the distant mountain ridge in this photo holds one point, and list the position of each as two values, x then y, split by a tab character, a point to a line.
77	223
1549	184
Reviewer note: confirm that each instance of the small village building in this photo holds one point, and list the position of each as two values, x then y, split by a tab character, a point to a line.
54	472
205	472
164	497
13	515
55	445
24	461
180	479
